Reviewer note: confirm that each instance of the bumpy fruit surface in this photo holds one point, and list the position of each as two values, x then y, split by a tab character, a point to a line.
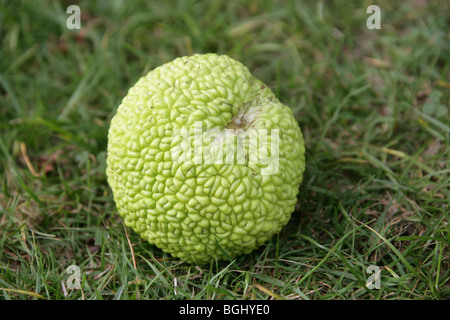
191	206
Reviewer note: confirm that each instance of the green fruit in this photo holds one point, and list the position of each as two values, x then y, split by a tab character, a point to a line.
203	160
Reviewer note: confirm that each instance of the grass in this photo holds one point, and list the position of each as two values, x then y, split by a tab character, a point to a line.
373	106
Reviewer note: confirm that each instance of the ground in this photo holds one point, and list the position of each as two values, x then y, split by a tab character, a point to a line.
373	105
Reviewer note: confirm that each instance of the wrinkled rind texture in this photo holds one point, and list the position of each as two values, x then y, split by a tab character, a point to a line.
197	211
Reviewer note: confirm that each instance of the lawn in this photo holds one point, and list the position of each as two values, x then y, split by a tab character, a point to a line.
372	216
